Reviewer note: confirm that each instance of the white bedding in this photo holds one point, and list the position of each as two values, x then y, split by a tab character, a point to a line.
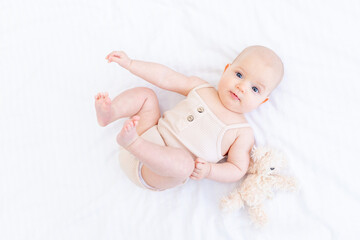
59	171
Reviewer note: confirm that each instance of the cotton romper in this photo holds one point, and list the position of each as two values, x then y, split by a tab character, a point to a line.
189	125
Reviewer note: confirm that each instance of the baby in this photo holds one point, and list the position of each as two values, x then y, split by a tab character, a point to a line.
190	139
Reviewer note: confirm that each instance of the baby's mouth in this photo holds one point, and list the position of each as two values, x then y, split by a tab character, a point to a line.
233	95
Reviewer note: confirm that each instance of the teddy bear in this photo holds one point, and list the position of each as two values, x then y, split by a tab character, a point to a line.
262	177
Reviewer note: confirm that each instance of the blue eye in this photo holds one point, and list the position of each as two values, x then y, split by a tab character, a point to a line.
255	89
239	75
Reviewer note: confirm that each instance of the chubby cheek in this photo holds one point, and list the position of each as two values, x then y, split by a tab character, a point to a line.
251	104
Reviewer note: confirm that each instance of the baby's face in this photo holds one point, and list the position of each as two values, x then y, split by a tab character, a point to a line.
249	80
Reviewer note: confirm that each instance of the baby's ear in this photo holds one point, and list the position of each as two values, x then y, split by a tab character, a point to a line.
265	100
227	65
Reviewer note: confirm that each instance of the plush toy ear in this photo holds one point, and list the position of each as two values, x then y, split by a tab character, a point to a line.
260	152
252	168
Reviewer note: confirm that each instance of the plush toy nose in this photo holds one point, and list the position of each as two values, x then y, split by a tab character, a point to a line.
272	168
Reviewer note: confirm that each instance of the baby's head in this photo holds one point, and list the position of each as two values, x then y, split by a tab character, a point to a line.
248	81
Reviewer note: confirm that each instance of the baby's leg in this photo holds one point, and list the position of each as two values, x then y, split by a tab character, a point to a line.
164	166
139	101
159	170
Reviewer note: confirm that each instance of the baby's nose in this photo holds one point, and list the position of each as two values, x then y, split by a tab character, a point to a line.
241	87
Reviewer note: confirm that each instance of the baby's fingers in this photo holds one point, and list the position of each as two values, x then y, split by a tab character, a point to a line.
114	59
199	165
107	57
194	176
114	54
200	160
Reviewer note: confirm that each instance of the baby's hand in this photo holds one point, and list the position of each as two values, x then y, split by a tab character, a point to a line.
202	169
119	57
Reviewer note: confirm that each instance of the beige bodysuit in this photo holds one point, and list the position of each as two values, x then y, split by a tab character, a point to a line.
196	127
190	125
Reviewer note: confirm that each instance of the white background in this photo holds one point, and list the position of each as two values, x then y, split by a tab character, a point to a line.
59	171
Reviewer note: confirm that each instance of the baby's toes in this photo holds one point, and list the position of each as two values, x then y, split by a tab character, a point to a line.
107	100
135	118
134	123
127	124
101	96
104	95
130	124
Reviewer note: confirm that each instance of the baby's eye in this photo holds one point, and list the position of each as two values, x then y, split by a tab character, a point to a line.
239	75
255	89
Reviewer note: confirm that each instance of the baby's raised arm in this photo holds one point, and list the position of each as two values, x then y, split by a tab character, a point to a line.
157	74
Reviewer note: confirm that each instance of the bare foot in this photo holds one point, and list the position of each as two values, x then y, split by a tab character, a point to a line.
128	133
103	108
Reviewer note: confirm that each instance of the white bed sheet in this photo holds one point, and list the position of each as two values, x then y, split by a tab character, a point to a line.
59	171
